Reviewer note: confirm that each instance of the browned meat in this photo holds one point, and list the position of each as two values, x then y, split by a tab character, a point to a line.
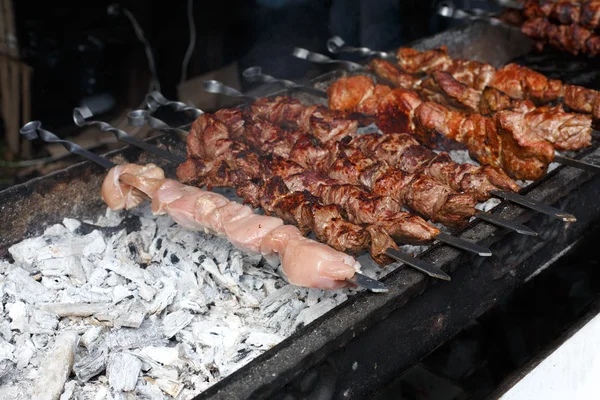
461	94
435	124
472	73
393	74
572	38
494	100
404	152
584	13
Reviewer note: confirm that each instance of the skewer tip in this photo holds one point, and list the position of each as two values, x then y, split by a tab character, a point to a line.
368	283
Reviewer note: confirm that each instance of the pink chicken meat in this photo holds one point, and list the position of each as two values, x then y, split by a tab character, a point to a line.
305	262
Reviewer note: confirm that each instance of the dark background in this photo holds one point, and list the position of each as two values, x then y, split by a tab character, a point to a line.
78	52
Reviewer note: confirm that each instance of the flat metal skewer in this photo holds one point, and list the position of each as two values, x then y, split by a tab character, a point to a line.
254	74
217	87
81	115
336	45
33	130
505	223
318	58
463	244
417	264
534	205
572	162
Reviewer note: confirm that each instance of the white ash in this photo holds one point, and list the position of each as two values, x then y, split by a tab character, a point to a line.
106	310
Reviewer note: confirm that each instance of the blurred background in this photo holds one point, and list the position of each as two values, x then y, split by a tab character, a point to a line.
108	56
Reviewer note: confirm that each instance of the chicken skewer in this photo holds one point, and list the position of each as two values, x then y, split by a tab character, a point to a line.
513	197
304	261
325	215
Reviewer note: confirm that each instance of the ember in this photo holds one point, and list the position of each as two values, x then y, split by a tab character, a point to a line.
153	311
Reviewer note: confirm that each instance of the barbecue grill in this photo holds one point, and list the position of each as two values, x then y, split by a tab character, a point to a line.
367	341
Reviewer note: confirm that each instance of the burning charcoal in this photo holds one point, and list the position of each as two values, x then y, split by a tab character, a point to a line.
26	350
91	365
19	315
165	296
40	341
6	350
122	371
130	271
69	391
150	333
5	330
170	387
90	336
263	340
149	391
43	321
24	252
22	286
6	366
488	204
176	321
56	368
163	355
71	224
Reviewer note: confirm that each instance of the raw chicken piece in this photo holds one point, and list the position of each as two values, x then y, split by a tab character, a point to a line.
232	211
248	232
167	193
306	262
118	195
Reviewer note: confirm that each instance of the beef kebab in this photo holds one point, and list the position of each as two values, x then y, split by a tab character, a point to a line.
303	261
348	169
572	38
583	13
518	82
215	158
502	141
566	131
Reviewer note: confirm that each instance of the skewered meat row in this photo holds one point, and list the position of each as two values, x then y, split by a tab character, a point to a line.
399	150
566	131
572	38
503	141
517	81
304	261
583	13
359	205
350	167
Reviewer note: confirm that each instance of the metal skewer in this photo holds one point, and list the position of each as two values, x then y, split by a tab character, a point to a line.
81	115
448	9
33	130
323	59
336	45
254	74
218	87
